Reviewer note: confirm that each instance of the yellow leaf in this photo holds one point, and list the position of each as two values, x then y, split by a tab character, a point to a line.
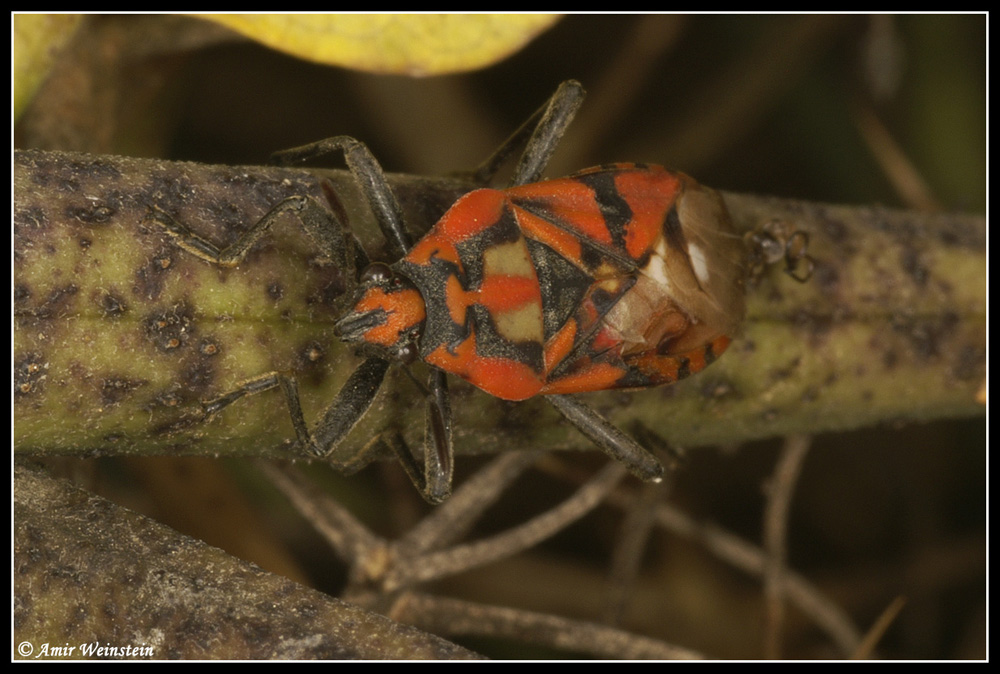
412	44
36	41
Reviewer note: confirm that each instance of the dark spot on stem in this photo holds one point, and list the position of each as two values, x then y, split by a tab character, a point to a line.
54	306
116	389
22	293
208	347
30	370
970	364
112	305
910	261
275	290
33	218
196	377
151	276
97	212
169	330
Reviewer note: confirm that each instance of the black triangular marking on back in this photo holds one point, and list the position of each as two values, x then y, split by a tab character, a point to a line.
615	209
563	285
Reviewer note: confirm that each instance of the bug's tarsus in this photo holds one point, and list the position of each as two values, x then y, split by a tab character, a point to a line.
395	442
327	233
670	454
608	437
434	479
264	382
290	389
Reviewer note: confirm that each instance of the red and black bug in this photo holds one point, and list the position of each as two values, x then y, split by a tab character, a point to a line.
619	276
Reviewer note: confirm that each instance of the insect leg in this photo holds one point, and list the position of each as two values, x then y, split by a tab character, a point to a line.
353	401
433	480
264	382
370	177
540	135
358	393
319	223
344	412
438	451
608	438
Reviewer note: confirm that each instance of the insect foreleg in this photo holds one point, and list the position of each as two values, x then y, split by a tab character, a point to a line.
370	178
319	223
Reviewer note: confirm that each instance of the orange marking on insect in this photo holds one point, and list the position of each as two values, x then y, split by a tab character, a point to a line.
474	213
500	377
507	293
595	377
434	247
559	345
543	231
576	208
651	194
403	309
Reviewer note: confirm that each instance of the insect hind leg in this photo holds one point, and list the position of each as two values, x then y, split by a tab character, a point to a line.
611	440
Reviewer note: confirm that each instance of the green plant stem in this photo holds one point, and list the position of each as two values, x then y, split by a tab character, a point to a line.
119	334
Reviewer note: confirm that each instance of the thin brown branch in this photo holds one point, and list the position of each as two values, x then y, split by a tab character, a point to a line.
779	490
349	538
456	617
752	560
460	558
901	172
452	520
866	649
628	550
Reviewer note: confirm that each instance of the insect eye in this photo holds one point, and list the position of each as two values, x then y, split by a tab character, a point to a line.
376	273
